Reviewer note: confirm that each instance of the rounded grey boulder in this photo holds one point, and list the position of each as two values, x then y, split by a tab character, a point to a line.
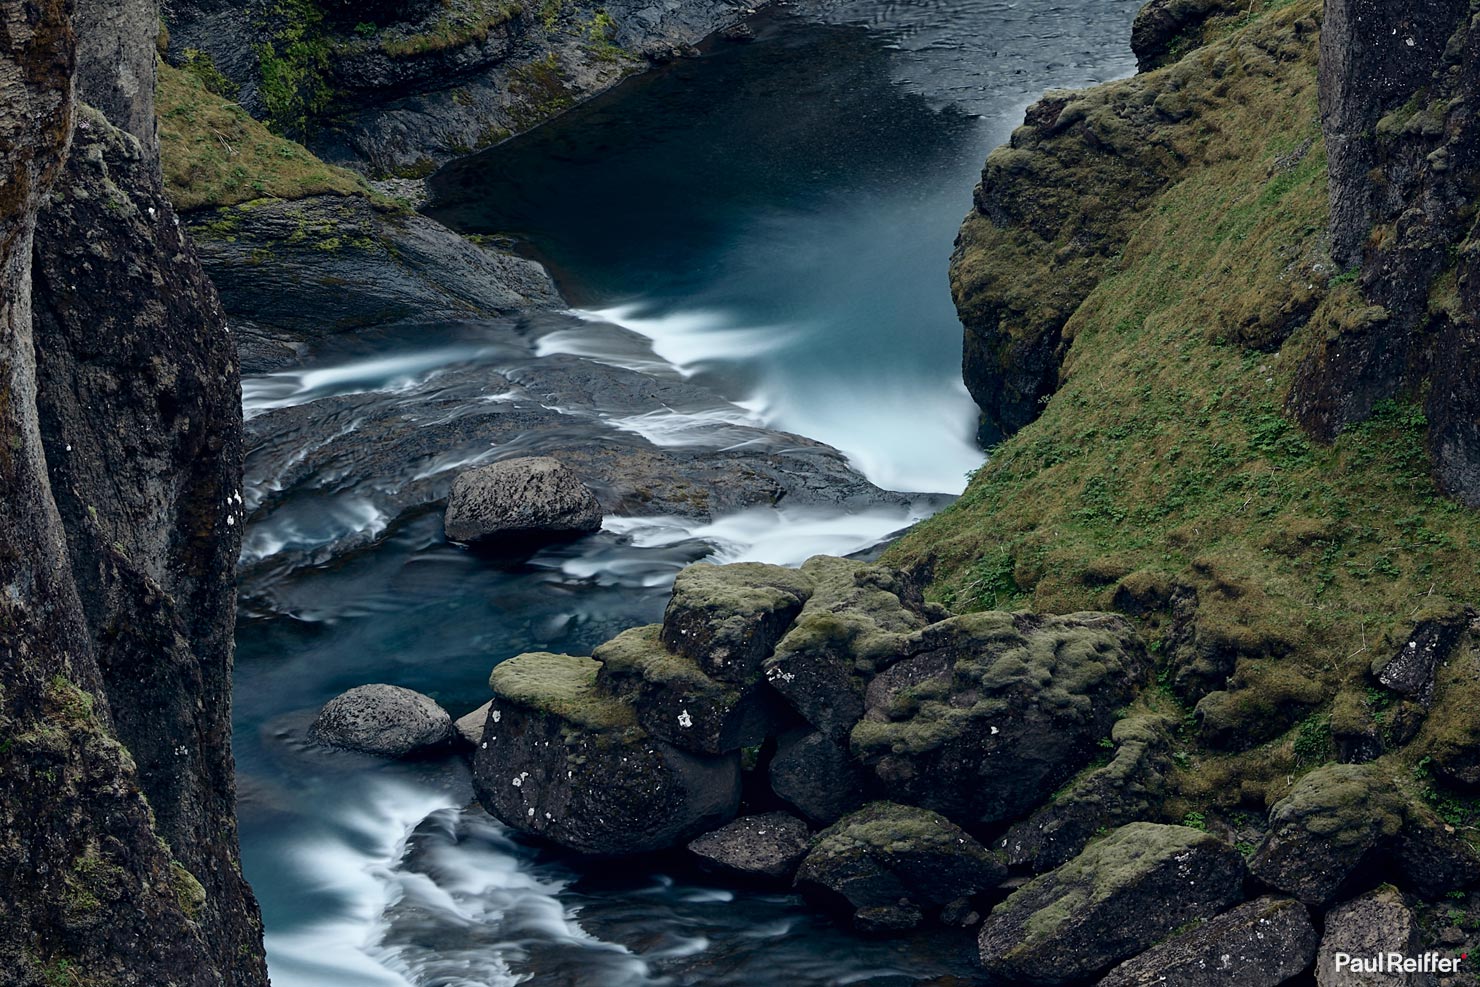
384	720
524	499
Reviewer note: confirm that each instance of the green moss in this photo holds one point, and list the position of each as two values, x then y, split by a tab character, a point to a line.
199	64
639	652
215	155
542	91
188	890
293	64
1120	860
455	25
560	685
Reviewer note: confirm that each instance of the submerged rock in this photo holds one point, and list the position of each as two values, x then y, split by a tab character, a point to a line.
520	499
1114	900
1374	924
1260	943
766	847
998	710
889	863
675	701
568	763
384	720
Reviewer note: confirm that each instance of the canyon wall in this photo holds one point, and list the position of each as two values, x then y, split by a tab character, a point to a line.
119	521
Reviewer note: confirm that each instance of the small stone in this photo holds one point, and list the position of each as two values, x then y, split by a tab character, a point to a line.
469	728
767	846
384	720
520	500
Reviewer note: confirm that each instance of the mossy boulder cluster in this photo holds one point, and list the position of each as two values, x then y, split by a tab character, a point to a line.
827	729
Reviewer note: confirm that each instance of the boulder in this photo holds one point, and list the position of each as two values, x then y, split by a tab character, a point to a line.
468	729
571	765
1378	922
1411	669
1116	899
993	712
1325	829
767	847
817	776
1260	943
729	618
384	720
675	701
890	863
1128	789
520	500
853	625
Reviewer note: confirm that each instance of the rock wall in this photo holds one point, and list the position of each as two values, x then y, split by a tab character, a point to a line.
1400	89
121	437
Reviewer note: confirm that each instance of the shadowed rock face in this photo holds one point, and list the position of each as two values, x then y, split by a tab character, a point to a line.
119	479
1400	89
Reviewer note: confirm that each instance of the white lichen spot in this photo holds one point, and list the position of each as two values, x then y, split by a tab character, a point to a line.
995	731
497	716
531	812
684	719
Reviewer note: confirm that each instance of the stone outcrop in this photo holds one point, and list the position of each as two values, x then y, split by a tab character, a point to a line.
402	87
1347	823
1374	924
1058	203
1130	787
383	720
520	500
1116	899
120	513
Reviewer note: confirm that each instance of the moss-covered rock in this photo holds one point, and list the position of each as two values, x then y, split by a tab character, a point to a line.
853	625
1114	900
1260	943
564	761
1006	709
1263	700
1325	829
1130	788
890	862
677	702
729	618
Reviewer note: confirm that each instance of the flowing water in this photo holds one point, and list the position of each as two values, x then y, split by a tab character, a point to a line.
772	220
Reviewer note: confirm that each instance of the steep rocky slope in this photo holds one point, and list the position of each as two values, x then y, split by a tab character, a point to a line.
118	521
1158	289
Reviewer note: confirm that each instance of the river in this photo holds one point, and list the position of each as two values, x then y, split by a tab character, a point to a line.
773	220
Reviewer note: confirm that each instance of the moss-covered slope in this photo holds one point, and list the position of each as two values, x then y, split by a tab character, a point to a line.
1177	263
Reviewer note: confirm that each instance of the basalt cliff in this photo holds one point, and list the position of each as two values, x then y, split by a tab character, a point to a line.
120	486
